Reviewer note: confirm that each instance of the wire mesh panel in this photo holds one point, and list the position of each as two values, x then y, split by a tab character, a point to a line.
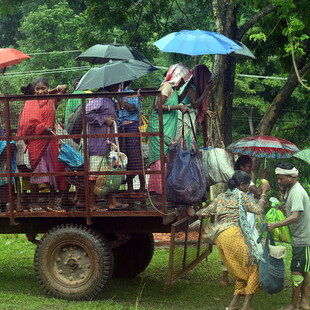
187	247
81	152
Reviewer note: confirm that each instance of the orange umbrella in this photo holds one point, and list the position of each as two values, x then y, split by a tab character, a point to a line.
11	56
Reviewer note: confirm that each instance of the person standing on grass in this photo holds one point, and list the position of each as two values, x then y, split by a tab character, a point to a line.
245	163
237	248
298	218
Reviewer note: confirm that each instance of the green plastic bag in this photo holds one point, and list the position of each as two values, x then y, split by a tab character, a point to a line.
280	234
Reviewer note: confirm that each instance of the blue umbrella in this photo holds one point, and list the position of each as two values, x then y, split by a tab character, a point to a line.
196	42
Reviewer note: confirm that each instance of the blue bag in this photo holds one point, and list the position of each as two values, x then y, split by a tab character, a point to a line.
186	181
271	270
69	156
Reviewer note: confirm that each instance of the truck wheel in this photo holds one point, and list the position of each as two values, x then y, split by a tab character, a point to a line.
132	257
73	262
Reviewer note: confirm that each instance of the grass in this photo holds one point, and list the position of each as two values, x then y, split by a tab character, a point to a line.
199	289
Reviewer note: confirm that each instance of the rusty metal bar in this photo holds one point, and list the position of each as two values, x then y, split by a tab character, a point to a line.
162	154
9	159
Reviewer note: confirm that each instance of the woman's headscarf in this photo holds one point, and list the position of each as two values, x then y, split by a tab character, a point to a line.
176	73
202	76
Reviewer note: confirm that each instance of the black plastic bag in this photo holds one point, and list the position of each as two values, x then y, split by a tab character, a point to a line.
186	181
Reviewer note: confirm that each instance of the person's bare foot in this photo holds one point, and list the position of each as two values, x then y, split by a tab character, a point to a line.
224	282
117	205
95	207
190	211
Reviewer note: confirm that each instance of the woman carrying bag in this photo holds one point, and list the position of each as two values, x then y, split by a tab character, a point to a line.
237	248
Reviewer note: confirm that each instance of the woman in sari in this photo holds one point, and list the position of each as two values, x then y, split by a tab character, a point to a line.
197	91
176	76
245	163
237	247
38	118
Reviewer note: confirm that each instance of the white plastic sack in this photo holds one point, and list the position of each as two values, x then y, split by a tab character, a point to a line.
218	165
22	157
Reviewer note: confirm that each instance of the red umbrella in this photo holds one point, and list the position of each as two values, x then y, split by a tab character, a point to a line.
11	56
263	147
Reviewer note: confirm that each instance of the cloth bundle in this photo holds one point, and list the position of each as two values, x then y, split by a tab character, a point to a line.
113	161
218	165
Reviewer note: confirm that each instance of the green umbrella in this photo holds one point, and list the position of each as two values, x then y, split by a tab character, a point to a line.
304	155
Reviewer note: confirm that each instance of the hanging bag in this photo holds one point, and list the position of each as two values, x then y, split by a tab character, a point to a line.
217	162
271	268
186	182
68	153
113	161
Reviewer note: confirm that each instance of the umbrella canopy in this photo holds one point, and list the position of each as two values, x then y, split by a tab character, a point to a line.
11	56
243	52
263	147
196	42
304	155
102	53
114	72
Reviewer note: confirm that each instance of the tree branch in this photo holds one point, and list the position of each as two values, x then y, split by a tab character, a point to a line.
245	27
267	122
187	18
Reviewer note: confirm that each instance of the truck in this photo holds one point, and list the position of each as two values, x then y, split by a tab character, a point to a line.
79	249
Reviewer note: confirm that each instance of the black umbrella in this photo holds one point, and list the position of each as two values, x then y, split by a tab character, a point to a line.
102	53
114	72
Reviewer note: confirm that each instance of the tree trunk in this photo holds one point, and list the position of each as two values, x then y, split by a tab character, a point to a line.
269	119
224	66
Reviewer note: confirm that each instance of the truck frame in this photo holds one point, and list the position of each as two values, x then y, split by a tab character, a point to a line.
79	250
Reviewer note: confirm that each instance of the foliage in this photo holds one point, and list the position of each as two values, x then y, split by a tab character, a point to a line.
55	26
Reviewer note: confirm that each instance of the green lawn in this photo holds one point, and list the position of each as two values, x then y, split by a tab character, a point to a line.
199	289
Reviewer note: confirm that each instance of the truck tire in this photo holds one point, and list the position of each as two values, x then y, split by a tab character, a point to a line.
73	262
132	257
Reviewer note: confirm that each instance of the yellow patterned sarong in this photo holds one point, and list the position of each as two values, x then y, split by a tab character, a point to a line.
235	255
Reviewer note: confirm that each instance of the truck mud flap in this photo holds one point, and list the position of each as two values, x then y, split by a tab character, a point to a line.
187	247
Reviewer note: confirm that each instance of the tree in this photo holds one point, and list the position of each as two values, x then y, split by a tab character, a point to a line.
265	26
44	33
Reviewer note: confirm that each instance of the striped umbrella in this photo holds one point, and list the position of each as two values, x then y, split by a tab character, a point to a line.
263	147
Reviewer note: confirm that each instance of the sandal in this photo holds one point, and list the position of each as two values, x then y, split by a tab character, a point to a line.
120	206
36	209
54	209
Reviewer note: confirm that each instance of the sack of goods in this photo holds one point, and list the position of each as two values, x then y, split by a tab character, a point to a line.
186	181
114	161
272	268
218	165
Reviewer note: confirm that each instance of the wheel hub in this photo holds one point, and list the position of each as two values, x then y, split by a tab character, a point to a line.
72	265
